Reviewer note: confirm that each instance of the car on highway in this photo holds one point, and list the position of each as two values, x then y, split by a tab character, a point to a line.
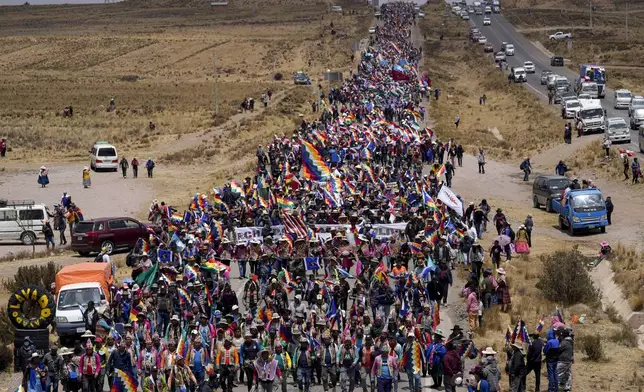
509	50
637	102
556	61
336	8
372	30
500	56
616	130
465	15
109	233
488	10
478	11
487	21
546	188
456	10
482	40
475	37
544	76
519	75
529	66
503	44
496	9
562	95
488	48
559	36
550	83
421	15
637	119
583	96
622	98
569	108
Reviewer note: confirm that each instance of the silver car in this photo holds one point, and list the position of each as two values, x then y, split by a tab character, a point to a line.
622	98
637	102
544	76
637	119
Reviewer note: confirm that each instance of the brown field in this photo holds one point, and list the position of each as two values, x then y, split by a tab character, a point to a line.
160	62
608	43
464	73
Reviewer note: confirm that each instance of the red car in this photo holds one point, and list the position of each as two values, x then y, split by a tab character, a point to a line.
111	233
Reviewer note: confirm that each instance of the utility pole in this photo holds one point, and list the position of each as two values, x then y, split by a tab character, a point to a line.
214	67
591	13
626	5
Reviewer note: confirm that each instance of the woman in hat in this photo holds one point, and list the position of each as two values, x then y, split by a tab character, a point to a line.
517	368
87	181
434	354
491	371
521	242
70	374
34	375
43	176
479	384
503	291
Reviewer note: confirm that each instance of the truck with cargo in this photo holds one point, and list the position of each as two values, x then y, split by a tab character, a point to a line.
581	209
593	73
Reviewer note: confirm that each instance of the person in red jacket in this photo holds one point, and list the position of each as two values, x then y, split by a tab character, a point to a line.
452	366
90	367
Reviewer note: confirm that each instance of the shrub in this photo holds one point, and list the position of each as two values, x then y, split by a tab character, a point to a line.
591	345
278	76
559	270
612	314
40	275
625	336
6	327
6	358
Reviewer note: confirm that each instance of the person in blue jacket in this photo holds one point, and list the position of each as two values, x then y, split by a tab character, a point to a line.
551	351
434	357
480	385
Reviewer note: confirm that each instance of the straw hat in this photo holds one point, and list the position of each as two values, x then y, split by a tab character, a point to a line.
500	271
488	351
518	345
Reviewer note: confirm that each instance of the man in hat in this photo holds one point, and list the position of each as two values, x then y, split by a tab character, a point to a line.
173	331
181	376
227	361
565	360
367	356
148	358
517	368
248	353
384	369
53	363
168	358
119	359
34	375
327	353
267	369
24	352
302	365
491	371
534	359
155	382
90	368
413	362
103	354
434	354
251	295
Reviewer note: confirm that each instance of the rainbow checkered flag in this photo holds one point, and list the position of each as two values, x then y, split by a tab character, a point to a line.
124	382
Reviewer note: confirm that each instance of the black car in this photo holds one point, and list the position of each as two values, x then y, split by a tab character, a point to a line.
557	61
546	188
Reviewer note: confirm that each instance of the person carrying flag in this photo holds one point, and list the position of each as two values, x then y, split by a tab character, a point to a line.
413	362
181	377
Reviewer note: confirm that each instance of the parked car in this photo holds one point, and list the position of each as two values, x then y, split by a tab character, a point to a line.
301	78
372	30
570	107
617	130
637	119
110	233
529	66
488	48
557	61
509	50
487	21
560	35
544	76
103	156
637	102
21	220
482	40
562	95
547	188
500	56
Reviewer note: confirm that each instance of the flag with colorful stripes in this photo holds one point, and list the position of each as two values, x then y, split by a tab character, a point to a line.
315	169
124	382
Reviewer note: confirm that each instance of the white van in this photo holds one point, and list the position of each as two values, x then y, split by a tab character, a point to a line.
21	220
103	156
336	8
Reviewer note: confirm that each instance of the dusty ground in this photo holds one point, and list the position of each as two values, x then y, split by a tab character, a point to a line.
608	43
161	61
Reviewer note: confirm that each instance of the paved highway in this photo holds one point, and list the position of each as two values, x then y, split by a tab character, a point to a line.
503	31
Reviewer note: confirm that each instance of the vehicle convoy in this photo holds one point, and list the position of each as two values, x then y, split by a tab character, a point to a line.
560	35
593	73
109	233
76	285
547	188
590	88
622	98
529	66
581	209
591	115
519	75
544	76
617	130
21	220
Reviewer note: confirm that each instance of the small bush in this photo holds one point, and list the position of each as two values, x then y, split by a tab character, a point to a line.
6	358
591	345
612	314
636	302
6	327
625	336
40	275
559	270
278	76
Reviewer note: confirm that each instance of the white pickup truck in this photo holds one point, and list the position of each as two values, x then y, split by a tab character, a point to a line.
560	35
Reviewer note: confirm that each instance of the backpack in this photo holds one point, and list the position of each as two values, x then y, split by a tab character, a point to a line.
522	166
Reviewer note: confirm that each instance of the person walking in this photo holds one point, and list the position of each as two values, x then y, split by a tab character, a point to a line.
565	360
124	165
526	167
551	351
609	209
561	169
534	360
3	147
481	161
90	367
607	143
347	359
54	364
635	167
385	369
48	233
459	155
266	369
449	173
149	165
87	179
135	167
517	369
529	224
457	121
627	166
452	366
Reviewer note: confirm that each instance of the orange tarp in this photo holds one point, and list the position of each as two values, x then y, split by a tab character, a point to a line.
86	272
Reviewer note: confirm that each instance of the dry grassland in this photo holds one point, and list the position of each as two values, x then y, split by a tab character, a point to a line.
160	61
608	43
464	73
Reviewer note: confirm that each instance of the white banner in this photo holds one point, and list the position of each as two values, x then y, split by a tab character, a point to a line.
449	198
244	235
